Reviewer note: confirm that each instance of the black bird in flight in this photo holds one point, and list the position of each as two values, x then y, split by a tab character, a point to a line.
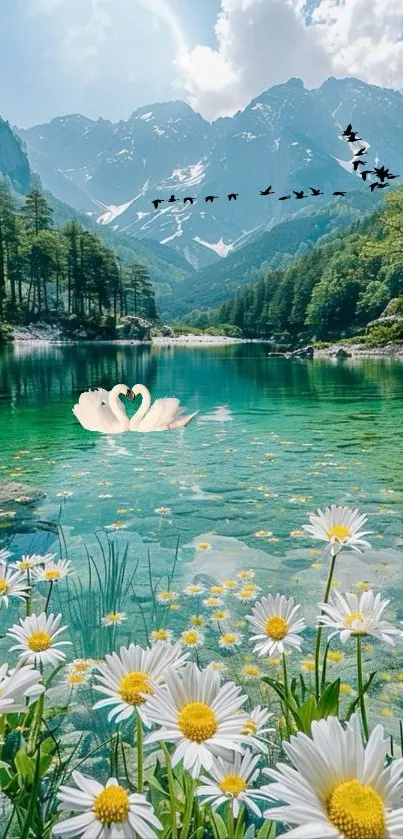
348	130
157	202
339	193
353	137
315	191
357	163
377	186
392	177
172	199
188	200
366	172
267	191
299	194
381	173
232	196
360	152
210	198
284	197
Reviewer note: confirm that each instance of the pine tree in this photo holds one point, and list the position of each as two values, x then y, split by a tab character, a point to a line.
37	212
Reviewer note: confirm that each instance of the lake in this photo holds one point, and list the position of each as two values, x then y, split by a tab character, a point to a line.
274	440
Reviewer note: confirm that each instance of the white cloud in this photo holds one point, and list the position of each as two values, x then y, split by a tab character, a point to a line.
264	42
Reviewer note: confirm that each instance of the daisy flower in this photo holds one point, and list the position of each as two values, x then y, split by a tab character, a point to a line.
340	527
4	555
230	782
53	571
162	636
18	685
255	727
28	561
197	620
75	678
129	678
230	584
36	636
194	590
230	640
82	665
192	638
245	575
203	546
114	619
105	811
250	672
167	596
351	614
213	602
247	593
12	584
220	615
217	591
217	666
274	620
337	788
199	715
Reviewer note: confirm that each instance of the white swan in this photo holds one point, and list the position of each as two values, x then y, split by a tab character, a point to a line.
165	413
102	410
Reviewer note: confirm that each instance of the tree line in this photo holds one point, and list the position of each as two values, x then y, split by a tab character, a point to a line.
69	271
333	291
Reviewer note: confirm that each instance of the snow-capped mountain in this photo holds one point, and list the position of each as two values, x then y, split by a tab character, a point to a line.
289	137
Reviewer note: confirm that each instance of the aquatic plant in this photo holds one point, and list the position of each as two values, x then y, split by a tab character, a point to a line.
197	706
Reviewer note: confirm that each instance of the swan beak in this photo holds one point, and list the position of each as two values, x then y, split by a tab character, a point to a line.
128	393
133	395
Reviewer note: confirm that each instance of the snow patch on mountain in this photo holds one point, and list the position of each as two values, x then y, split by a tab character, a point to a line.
192	175
113	212
146	117
220	247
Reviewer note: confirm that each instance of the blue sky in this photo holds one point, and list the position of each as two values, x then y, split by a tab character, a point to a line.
108	57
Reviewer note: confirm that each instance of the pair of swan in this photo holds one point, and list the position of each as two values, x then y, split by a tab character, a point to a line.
101	410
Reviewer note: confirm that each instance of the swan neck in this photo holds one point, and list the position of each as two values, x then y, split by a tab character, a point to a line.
141	390
115	404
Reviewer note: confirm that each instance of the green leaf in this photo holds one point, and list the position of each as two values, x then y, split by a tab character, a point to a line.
25	767
250	833
307	713
219	825
267	831
329	701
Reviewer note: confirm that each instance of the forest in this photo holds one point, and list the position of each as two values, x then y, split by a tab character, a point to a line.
65	275
332	291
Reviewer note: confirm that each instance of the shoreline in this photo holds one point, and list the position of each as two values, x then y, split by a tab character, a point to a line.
24	336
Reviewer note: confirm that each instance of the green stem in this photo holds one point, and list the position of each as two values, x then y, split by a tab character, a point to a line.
48	597
360	689
171	786
140	759
188	811
36	727
319	634
231	822
287	710
29	598
33	799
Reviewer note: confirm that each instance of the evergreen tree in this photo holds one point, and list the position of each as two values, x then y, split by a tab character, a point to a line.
37	212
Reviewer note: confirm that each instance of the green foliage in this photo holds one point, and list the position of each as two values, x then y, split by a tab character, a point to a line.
382	334
66	273
332	291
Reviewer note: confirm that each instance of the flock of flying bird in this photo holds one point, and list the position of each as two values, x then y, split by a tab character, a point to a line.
383	174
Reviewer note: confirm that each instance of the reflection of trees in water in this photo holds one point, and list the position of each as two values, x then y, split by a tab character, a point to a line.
37	373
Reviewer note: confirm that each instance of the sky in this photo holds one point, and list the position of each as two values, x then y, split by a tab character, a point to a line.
105	58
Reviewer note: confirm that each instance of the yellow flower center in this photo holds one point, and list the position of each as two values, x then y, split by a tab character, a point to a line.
357	811
197	620
354	616
160	635
339	532
232	785
113	617
112	805
229	638
52	575
276	628
25	564
250	727
81	666
75	678
134	688
4	587
38	642
197	722
190	637
251	670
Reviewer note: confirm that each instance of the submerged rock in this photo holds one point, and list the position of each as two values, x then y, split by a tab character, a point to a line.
13	492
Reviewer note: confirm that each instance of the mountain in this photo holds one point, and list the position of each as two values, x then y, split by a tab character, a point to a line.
13	160
165	265
288	136
286	241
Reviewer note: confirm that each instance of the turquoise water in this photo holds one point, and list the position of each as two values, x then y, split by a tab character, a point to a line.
274	440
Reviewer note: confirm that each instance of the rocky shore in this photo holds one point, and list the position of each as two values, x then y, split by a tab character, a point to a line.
340	351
